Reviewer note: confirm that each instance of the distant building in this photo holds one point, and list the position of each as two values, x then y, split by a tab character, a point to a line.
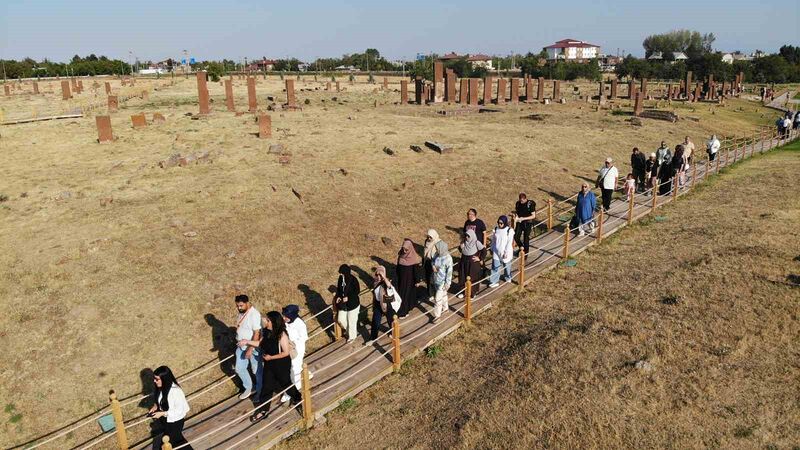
265	65
480	60
676	56
449	56
735	56
572	50
608	63
347	69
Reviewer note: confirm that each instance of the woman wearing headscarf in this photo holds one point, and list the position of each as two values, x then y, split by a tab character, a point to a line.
584	210
347	303
385	301
297	331
666	171
408	275
429	254
442	277
472	253
502	251
679	163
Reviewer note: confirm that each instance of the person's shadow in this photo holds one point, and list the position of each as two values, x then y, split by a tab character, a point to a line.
316	303
555	195
222	341
390	267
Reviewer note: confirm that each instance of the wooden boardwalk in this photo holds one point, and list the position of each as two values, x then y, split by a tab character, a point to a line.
342	370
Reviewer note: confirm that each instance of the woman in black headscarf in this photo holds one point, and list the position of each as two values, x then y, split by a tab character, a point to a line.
408	271
347	303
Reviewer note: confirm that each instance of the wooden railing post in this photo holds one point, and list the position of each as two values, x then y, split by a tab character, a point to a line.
655	195
521	279
675	187
308	411
119	422
630	209
718	158
566	241
694	172
396	344
599	236
337	329
763	139
468	301
549	214
165	445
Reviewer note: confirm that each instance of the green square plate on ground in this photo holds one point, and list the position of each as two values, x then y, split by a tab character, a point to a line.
106	423
660	218
570	263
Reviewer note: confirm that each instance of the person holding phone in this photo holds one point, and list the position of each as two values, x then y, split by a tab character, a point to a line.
170	408
385	301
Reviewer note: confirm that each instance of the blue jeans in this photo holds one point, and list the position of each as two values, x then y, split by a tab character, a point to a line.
496	265
255	363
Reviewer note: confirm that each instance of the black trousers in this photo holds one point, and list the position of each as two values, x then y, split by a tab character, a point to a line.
522	235
275	380
638	174
175	432
607	193
712	156
377	318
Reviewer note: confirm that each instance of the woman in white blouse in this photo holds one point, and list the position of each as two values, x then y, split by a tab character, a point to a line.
170	408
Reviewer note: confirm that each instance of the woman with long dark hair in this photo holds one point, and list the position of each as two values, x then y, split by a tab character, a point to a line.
276	350
170	408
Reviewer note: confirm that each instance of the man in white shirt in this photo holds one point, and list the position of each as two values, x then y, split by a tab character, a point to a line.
607	181
712	147
298	335
688	149
248	327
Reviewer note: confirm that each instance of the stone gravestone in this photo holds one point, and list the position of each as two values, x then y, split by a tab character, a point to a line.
418	90
80	86
338	87
556	90
229	96
438	82
501	91
403	92
385	83
145	95
613	89
158	118
450	86
688	84
252	101
644	87
637	108
631	89
711	88
290	100
113	104
463	92
264	126
540	90
108	88
328	86
488	85
514	90
35	87
103	129
65	92
7	89
426	93
602	95
698	88
528	89
473	91
139	121
202	92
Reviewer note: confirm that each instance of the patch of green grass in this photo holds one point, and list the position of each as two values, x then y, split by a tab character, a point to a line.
15	418
797	96
9	408
434	350
348	404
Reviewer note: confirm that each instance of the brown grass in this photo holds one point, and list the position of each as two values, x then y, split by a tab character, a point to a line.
93	294
708	298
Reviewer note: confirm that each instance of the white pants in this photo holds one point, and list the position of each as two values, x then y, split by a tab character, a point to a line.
296	375
441	303
348	320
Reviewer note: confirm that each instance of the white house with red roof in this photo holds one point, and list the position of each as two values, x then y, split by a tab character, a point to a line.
572	50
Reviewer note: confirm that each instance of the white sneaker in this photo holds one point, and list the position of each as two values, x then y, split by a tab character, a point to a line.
460	296
246	394
285	398
494	285
581	233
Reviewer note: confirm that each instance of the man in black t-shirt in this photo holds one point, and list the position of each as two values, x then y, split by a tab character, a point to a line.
474	224
523	223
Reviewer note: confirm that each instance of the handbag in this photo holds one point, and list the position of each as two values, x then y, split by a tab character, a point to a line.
292	348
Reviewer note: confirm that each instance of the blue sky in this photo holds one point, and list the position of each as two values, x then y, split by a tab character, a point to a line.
399	29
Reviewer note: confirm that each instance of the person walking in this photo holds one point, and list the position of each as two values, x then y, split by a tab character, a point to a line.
525	214
584	210
385	301
787	124
688	150
442	277
472	253
779	126
475	224
638	163
607	182
679	164
408	270
170	408
248	328
651	171
663	154
429	253
796	120
276	349
712	147
502	251
297	331
348	305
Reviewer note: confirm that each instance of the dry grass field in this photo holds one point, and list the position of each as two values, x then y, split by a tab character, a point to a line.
112	264
674	334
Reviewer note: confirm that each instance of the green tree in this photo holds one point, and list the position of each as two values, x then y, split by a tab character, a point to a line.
692	43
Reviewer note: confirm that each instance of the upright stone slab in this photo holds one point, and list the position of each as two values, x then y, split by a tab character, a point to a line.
264	126
403	92
385	83
724	87
145	95
463	92
338	87
528	89
291	102
229	96
698	90
501	91
741	82
450	87
104	133
556	90
514	90
438	82
80	86
36	88
473	91
418	90
113	103
328	86
108	88
252	100
488	85
158	118
637	108
644	87
613	89
426	93
202	92
631	89
540	90
602	92
66	94
711	88
7	89
138	121
688	86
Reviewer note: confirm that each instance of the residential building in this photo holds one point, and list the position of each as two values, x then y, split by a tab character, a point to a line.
735	56
481	60
676	56
265	65
572	50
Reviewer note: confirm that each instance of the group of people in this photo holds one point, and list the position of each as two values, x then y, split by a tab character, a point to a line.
789	121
